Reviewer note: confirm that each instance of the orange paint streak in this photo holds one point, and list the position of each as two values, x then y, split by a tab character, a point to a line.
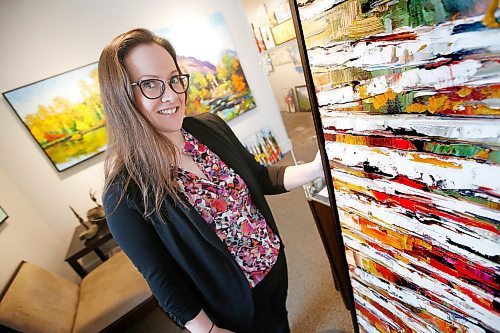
435	161
489	19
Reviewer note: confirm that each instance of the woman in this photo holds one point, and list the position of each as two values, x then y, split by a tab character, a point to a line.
185	200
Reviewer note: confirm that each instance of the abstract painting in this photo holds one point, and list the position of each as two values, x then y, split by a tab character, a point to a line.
206	51
263	146
408	97
64	115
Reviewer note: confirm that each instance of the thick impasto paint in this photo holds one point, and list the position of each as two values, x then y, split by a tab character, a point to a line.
409	98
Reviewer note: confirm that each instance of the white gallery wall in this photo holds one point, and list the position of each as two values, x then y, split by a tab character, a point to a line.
40	39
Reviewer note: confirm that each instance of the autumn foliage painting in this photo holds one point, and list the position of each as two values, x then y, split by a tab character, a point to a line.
64	114
205	51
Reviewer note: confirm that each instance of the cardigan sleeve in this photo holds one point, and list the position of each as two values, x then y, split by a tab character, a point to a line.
270	178
140	242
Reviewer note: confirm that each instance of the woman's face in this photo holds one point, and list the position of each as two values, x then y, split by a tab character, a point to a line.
151	61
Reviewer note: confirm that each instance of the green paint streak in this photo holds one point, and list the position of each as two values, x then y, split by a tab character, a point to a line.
456	195
455	150
494	156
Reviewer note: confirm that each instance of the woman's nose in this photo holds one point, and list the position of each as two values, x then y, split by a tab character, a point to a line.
168	94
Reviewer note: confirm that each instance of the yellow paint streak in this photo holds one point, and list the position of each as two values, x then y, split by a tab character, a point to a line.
348	187
435	104
416	108
435	161
464	92
489	19
365	27
422	47
491	92
494	205
483	109
362	91
351	139
381	100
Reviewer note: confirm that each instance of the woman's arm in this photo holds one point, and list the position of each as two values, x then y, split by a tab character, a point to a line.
140	242
297	175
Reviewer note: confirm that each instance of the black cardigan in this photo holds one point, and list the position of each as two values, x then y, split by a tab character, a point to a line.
186	265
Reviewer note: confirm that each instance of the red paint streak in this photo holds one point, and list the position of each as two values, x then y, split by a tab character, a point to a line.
387	273
409	182
391	315
402	36
415	206
373	319
460	267
329	137
392	143
479	300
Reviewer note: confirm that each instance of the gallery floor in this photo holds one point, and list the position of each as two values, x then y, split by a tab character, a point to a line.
313	303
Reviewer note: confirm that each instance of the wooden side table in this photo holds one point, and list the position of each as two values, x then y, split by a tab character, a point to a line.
79	248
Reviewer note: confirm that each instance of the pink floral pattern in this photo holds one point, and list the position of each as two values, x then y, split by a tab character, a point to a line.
223	200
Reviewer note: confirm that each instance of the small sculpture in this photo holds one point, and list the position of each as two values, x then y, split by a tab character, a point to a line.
90	231
95	214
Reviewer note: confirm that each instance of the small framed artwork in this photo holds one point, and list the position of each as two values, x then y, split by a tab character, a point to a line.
258	38
302	98
64	115
3	215
289	99
283	32
280	56
267	36
282	11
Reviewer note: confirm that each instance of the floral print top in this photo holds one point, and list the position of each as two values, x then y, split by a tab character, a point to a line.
223	200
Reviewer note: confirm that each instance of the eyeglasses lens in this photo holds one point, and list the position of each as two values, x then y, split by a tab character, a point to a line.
154	88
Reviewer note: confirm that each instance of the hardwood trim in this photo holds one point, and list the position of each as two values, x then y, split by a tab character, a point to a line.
18	268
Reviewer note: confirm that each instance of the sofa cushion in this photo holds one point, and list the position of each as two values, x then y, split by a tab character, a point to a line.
39	301
109	292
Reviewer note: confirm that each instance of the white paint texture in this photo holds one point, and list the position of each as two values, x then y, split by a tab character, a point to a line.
476	130
466	174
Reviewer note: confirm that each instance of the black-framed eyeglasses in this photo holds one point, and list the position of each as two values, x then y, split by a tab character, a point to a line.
154	88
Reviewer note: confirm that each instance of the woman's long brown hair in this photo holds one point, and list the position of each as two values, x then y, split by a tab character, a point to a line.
136	151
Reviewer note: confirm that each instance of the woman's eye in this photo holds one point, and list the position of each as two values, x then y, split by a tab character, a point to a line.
148	84
174	79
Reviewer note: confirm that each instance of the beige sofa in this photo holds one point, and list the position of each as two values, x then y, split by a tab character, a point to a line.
107	299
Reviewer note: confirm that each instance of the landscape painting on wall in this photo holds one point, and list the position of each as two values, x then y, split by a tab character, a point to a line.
408	94
206	51
64	115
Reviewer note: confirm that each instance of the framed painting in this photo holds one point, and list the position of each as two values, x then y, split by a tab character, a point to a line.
263	146
217	83
280	56
267	36
258	38
281	10
407	115
283	32
302	98
64	115
3	215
